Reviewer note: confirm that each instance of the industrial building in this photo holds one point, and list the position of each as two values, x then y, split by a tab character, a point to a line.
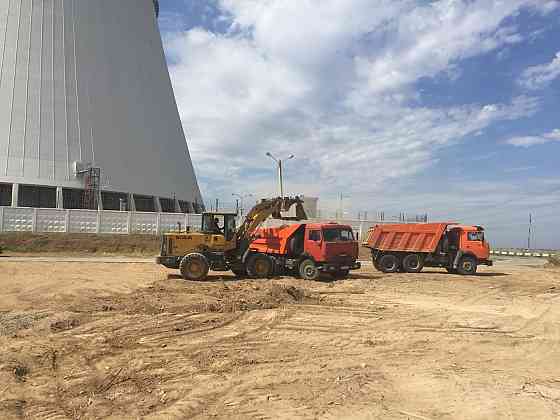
88	119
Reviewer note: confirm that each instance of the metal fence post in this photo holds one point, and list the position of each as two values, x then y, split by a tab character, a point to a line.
67	222
98	227
34	221
158	223
129	222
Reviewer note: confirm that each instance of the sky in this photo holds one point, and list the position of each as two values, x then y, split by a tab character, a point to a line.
448	107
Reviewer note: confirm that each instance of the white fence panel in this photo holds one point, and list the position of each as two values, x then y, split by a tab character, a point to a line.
17	219
172	222
194	221
144	223
82	221
51	220
113	222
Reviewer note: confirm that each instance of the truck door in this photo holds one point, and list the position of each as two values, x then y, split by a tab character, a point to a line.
313	242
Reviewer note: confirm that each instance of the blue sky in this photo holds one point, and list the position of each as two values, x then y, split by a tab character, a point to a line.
449	107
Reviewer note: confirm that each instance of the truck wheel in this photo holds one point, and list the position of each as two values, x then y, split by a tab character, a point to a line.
451	270
413	263
194	267
260	266
467	266
308	270
388	263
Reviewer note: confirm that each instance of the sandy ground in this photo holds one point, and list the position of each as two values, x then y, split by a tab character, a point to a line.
124	341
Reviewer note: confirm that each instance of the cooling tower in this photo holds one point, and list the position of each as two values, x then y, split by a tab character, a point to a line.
88	118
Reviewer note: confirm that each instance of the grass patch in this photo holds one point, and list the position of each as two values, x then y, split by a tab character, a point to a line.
62	243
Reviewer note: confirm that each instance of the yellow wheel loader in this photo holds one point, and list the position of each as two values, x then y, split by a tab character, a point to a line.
220	245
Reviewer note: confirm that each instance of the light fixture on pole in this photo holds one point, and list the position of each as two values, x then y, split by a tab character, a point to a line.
280	171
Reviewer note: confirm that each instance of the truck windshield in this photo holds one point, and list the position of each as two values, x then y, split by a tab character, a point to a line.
338	235
476	236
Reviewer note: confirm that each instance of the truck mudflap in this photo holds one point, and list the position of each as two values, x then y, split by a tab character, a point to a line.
337	267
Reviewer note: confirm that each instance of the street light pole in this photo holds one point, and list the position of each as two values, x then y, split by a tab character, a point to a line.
239	202
279	163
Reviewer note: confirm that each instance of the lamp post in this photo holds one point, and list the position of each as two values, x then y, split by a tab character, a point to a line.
240	197
280	171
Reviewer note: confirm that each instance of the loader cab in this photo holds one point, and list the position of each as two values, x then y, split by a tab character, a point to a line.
219	224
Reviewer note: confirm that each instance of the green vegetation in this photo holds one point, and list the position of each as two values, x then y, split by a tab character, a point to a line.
75	244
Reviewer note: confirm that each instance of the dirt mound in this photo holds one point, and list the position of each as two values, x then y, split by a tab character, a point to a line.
12	322
553	261
75	244
178	296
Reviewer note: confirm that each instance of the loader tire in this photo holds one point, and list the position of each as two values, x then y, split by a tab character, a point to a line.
260	266
389	263
308	270
413	263
194	267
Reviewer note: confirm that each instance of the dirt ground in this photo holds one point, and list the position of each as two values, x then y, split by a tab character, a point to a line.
127	341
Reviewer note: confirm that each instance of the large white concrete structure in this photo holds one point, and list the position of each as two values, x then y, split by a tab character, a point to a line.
87	113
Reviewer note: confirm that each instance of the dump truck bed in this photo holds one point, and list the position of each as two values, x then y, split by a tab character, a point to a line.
420	237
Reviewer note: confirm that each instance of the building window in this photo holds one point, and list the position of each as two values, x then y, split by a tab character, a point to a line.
186	207
167	205
72	198
114	200
5	195
35	196
144	203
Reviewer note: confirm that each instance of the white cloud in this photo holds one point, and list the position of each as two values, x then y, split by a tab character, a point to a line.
332	82
528	141
538	77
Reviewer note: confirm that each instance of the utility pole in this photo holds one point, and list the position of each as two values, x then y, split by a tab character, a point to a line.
530	229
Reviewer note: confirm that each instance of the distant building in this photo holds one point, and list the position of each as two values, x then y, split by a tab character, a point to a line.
88	118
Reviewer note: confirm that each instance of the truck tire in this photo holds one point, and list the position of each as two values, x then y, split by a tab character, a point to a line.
194	267
413	263
451	270
467	266
260	266
388	263
308	270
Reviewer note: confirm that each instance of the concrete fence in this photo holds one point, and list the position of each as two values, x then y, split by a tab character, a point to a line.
15	219
523	253
41	220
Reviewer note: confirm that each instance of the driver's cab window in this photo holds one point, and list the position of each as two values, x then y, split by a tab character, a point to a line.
213	223
315	235
476	236
230	224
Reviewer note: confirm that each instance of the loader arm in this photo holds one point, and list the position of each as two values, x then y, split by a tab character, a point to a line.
262	211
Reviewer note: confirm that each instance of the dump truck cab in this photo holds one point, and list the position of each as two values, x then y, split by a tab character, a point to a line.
469	240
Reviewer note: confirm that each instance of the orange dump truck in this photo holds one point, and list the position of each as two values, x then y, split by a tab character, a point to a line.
410	247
